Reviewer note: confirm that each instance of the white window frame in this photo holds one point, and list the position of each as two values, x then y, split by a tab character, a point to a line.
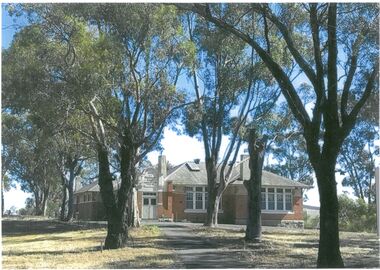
194	192
275	210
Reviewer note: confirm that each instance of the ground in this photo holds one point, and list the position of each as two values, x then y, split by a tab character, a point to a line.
50	244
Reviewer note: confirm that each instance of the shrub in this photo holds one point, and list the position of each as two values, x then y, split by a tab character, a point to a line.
310	222
356	215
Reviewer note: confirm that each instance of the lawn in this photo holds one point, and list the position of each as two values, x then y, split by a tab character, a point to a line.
49	244
42	243
284	248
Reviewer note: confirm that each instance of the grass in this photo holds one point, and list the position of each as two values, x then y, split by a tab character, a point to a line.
41	243
282	248
72	247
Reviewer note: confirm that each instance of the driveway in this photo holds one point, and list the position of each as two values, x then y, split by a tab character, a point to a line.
193	251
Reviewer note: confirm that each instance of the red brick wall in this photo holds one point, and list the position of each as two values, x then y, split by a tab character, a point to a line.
238	210
89	210
179	208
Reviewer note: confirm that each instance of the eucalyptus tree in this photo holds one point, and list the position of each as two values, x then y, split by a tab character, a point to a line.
31	162
287	146
228	80
121	74
359	152
143	97
343	51
34	83
75	153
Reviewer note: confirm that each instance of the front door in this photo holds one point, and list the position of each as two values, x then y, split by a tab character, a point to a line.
149	207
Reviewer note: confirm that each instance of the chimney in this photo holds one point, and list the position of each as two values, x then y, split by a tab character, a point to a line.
78	184
162	166
244	167
197	160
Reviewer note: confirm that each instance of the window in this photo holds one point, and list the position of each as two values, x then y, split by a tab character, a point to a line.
280	199
152	201
146	201
288	199
276	199
197	198
94	196
271	199
78	199
189	197
263	199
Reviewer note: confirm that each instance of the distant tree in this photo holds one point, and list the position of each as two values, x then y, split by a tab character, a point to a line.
359	152
287	146
34	84
31	163
356	215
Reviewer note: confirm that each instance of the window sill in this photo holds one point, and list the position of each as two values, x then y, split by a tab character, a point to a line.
277	212
199	211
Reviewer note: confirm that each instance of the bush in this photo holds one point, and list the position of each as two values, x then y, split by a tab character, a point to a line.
310	222
356	215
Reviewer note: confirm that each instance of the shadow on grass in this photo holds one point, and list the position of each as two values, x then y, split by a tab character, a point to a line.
56	252
28	227
140	262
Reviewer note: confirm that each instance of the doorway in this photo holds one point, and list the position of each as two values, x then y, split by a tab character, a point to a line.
149	205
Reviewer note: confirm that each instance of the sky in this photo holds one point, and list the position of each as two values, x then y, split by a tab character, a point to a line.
177	148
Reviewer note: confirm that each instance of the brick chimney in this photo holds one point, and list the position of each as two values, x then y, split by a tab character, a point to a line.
244	167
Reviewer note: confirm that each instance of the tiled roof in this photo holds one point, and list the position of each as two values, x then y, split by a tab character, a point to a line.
186	176
190	173
94	187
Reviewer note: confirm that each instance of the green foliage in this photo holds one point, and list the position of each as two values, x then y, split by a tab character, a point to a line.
310	222
287	146
28	210
356	215
359	152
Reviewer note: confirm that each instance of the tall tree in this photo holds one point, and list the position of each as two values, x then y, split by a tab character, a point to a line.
353	28
228	95
33	82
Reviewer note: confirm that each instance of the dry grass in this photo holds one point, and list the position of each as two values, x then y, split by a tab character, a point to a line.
282	248
81	249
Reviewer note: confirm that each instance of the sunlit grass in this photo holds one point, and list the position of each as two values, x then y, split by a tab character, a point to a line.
281	248
82	249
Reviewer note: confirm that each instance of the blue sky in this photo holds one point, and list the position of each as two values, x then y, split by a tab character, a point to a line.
177	148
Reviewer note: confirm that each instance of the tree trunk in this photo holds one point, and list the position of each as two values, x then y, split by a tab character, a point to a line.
212	215
37	203
2	199
64	198
134	219
70	205
328	253
214	221
44	200
256	150
115	230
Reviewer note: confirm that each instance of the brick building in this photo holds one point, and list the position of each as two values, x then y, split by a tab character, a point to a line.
180	193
